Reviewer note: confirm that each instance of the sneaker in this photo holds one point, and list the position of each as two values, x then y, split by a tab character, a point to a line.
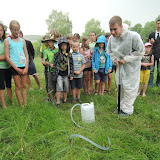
58	105
47	100
124	114
79	100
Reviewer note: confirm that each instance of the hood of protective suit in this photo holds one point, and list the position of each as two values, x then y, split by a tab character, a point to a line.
101	39
63	40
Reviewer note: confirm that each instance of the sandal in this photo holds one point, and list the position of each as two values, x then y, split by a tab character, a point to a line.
109	92
95	93
105	91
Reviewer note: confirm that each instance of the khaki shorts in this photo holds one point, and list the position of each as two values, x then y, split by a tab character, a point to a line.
51	84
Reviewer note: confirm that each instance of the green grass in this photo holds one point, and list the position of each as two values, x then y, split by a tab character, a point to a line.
41	131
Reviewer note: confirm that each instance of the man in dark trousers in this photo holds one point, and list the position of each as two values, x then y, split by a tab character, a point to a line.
154	38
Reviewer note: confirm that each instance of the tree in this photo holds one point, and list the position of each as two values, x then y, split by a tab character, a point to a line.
148	28
60	21
93	25
137	28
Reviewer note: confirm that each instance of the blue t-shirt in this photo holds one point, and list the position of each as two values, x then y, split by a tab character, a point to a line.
78	60
16	52
103	60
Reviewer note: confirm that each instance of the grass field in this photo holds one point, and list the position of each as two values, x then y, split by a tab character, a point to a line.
40	131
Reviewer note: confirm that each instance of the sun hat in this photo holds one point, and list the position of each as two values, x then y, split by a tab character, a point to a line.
147	44
50	37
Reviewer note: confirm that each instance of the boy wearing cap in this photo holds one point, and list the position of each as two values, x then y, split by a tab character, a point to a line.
146	62
62	69
49	60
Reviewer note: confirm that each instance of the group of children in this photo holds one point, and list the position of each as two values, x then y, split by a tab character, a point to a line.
69	65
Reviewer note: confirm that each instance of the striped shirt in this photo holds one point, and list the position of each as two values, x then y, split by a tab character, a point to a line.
78	60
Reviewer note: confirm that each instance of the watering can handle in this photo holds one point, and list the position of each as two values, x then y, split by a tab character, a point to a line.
72	116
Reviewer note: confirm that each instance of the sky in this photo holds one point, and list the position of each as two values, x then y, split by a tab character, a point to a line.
32	14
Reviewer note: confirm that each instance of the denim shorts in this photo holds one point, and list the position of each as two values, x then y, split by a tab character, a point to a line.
32	69
62	83
77	83
100	75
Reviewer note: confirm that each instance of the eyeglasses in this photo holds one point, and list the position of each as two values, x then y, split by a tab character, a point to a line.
16	30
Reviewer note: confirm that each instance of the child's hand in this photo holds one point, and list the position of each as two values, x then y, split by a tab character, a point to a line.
109	71
47	63
71	78
95	71
51	65
77	72
25	71
20	71
144	64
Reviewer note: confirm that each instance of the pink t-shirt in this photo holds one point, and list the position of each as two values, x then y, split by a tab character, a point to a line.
88	58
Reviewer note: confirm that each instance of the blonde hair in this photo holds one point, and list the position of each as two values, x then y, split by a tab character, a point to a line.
74	42
13	23
84	39
115	19
69	36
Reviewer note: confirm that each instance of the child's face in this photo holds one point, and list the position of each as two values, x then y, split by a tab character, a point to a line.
63	47
148	49
101	45
1	32
87	43
70	40
75	47
15	31
50	44
93	37
76	39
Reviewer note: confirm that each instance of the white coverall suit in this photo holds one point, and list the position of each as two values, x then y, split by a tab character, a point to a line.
128	46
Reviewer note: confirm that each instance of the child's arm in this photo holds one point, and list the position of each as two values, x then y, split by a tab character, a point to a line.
93	62
2	57
25	71
6	48
82	68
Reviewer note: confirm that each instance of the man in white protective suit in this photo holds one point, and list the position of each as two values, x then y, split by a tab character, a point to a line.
126	49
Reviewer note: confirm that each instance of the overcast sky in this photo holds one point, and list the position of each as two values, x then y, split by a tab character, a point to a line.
32	14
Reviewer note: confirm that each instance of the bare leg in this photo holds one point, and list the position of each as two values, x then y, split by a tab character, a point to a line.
9	93
18	86
91	81
64	96
58	96
97	85
139	91
78	93
102	87
109	82
74	92
2	96
29	82
37	81
88	82
144	90
24	90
